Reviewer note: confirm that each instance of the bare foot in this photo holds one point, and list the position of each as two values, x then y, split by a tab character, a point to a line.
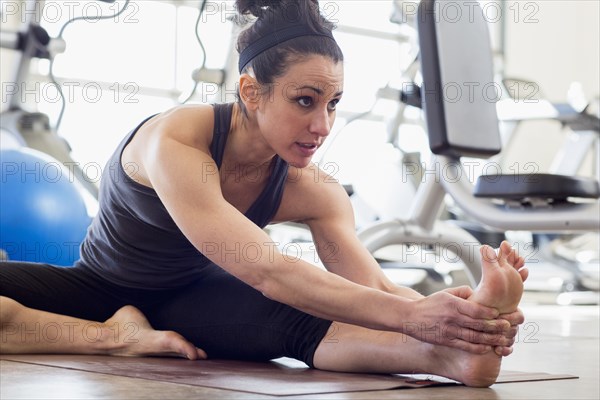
501	287
128	333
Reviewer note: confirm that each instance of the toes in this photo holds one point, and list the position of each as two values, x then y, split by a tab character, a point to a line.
518	260
524	272
488	254
185	348
175	343
512	257
503	351
201	354
520	263
515	260
505	251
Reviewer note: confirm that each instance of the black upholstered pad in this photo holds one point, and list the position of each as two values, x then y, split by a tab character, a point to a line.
547	186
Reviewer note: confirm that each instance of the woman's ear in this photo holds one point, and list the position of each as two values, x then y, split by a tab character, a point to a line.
249	92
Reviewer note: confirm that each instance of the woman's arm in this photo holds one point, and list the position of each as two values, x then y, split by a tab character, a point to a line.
340	250
187	181
333	230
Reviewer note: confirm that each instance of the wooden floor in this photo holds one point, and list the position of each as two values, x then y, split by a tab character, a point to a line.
554	339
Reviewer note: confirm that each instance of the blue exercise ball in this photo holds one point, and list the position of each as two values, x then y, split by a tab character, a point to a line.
43	217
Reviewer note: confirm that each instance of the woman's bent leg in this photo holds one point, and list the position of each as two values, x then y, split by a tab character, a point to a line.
76	291
231	320
25	330
35	300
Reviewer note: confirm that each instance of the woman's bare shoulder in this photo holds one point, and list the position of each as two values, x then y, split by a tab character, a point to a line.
191	125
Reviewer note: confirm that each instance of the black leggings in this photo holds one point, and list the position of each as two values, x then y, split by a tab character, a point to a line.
218	313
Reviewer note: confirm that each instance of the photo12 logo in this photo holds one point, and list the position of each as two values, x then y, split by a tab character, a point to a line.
493	12
52	12
71	92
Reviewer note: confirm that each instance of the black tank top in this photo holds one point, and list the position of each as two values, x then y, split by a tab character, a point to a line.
134	242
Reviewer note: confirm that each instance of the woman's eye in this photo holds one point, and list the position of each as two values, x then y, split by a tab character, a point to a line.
333	104
305	101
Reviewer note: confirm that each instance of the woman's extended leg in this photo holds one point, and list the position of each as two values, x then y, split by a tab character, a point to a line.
350	348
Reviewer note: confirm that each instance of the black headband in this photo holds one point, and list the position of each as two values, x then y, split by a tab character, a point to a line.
275	38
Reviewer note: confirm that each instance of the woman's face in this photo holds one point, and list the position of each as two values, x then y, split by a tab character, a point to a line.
297	113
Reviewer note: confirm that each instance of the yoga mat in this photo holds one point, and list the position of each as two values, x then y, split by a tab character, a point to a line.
278	378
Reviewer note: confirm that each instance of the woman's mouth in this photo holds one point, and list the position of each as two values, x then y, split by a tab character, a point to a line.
307	149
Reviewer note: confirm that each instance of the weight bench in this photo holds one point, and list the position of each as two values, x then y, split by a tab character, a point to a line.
459	104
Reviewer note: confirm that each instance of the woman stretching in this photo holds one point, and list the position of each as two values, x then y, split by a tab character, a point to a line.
176	262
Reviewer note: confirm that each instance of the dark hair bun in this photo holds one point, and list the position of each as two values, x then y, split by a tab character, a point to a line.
260	8
263	18
256	8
